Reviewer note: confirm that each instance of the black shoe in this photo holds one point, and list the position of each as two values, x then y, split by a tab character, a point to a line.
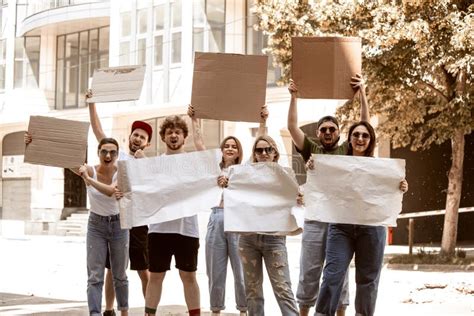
109	313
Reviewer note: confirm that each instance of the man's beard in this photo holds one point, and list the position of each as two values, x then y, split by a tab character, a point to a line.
331	145
175	146
133	149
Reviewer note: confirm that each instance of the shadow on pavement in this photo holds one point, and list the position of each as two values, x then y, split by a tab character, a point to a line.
16	304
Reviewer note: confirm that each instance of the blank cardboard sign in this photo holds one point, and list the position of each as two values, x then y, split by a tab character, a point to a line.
230	87
117	84
57	142
323	66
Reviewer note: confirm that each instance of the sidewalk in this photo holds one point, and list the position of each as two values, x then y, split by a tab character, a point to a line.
15	304
46	275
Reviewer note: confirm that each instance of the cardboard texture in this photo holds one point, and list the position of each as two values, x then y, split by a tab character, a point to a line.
117	84
57	142
323	66
229	87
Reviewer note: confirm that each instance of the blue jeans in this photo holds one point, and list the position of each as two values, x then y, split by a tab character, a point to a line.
220	247
104	232
313	253
272	249
345	240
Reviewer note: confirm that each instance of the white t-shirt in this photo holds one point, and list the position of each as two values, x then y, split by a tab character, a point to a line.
187	226
124	155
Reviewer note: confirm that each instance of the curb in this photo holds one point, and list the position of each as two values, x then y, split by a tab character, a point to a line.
431	267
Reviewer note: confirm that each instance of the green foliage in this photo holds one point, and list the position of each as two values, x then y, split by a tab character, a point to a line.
417	58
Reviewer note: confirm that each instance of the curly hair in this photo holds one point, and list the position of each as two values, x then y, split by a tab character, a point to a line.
173	121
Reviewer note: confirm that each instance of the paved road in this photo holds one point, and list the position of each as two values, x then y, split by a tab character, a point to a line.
46	275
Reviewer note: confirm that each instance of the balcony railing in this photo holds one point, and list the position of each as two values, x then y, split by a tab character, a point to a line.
36	6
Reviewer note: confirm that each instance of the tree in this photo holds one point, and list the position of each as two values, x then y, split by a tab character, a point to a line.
417	57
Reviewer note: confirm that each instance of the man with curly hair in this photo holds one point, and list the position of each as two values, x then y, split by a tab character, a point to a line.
178	238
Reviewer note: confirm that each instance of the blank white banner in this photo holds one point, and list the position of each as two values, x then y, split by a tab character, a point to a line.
168	187
354	190
261	197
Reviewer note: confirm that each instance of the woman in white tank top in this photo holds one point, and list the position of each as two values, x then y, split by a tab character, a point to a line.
104	231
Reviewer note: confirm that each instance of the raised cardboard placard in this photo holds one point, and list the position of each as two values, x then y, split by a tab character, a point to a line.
230	87
323	66
116	84
57	142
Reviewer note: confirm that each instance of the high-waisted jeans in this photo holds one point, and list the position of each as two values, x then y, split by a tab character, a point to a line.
104	232
220	247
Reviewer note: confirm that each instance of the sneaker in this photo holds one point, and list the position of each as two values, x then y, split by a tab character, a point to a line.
109	313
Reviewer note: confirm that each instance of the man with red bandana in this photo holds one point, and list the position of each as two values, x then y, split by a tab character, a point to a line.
140	137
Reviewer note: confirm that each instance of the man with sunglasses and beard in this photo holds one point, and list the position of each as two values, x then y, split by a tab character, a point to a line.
178	238
140	137
313	247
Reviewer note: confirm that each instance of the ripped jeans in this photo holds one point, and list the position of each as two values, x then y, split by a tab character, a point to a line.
272	249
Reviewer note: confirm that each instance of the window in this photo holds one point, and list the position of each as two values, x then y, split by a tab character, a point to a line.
125	32
256	42
125	27
167	32
176	48
78	55
158	33
209	25
124	53
158	60
142	26
27	55
3	47
141	51
176	14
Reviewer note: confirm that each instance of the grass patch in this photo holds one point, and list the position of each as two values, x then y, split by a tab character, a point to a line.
432	257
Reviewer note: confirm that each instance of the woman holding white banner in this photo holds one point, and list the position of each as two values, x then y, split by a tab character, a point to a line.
272	249
344	241
223	246
103	229
104	233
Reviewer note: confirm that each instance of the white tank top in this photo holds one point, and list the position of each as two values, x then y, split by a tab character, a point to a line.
102	204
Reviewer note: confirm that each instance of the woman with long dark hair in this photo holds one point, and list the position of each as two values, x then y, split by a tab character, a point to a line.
344	241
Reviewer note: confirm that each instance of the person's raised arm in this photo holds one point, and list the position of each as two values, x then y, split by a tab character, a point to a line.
262	127
297	135
107	189
197	135
94	119
27	138
358	84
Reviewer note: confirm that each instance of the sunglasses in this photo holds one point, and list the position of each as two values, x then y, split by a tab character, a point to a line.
268	150
105	152
364	135
331	129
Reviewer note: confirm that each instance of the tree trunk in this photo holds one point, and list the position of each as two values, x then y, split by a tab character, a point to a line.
453	198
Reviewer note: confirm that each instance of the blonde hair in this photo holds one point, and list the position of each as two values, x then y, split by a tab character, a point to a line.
271	142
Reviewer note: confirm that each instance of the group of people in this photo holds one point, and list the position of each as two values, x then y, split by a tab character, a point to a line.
326	250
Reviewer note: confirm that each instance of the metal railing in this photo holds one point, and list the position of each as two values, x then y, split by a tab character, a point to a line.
36	6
